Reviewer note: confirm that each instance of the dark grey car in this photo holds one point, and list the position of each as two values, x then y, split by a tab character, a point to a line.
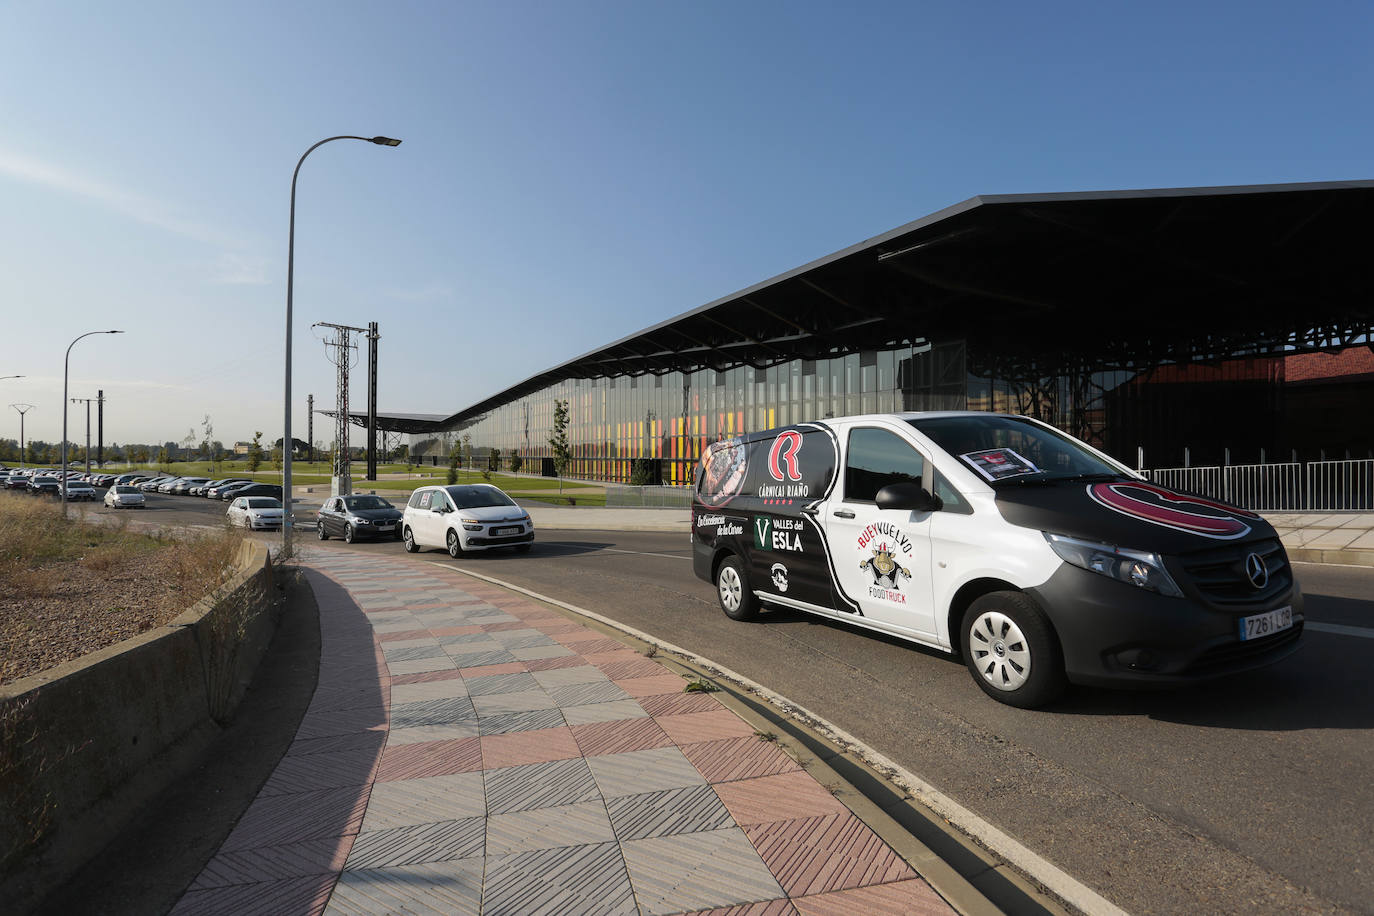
358	517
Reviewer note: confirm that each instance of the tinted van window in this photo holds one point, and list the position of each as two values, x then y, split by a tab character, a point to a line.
878	458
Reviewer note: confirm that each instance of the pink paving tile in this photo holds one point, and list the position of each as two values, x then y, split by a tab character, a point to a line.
652	686
424	677
579	635
762	908
812	855
503	627
600	646
551	664
621	655
538	746
676	704
598	738
737	758
404	634
695	727
777	798
273	863
901	898
430	758
456	631
632	666
565	626
483	670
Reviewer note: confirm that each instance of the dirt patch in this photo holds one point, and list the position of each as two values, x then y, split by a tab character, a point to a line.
70	588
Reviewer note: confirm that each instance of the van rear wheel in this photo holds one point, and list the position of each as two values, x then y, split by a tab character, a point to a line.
737	599
1011	650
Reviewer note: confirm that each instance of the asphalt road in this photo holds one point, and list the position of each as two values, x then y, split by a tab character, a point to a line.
1251	795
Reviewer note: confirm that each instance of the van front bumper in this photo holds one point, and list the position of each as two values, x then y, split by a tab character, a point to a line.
1115	635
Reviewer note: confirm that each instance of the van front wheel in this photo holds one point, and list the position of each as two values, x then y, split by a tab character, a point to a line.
737	599
1011	650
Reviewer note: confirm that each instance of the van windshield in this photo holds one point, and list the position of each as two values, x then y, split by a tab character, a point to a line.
1013	450
478	497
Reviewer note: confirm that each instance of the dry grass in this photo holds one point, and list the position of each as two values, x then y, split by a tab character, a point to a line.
68	588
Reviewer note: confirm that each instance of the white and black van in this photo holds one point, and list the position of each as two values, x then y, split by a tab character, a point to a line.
1039	558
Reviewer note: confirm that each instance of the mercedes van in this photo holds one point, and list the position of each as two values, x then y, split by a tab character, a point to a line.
1040	559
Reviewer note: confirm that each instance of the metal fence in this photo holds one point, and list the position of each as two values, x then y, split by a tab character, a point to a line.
648	497
1317	486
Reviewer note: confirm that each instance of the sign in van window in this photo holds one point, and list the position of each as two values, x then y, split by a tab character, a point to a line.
723	467
999	463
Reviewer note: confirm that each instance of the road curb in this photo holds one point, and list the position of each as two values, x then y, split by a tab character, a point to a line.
959	864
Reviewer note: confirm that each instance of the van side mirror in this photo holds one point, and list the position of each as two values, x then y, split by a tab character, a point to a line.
907	495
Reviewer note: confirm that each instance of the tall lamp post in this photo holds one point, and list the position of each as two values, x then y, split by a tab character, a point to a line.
286	440
66	362
22	409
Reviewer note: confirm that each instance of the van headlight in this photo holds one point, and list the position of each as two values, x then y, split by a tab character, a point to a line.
1133	567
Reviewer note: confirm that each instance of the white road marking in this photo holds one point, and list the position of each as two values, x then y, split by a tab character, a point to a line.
1010	849
1340	629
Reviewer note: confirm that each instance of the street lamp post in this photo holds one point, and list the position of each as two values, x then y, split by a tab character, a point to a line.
286	440
21	409
66	362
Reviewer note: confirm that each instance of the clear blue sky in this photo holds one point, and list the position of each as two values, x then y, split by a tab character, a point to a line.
572	172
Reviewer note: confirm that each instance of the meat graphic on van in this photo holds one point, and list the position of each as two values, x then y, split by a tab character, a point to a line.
1039	559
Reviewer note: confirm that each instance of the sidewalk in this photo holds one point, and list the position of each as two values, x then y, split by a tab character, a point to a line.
469	751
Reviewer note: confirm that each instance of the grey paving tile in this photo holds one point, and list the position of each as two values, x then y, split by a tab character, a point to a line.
421	665
426	733
586	694
588	880
428	690
432	712
548	828
410	802
507	723
667	812
540	785
432	650
563	677
697	871
479	659
477	640
522	701
434	889
522	639
613	711
491	684
435	842
557	650
637	772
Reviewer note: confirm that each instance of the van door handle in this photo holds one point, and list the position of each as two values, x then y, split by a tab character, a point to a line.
843	513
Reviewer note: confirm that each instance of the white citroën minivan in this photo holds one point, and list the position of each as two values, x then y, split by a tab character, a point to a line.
1037	557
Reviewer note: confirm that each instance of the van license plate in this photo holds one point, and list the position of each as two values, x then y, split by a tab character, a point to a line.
1266	624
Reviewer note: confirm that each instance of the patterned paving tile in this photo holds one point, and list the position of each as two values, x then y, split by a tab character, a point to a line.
678	704
817	854
418	665
489	670
586	647
401	637
540	785
644	771
454	631
598	738
426	733
426	677
373	739
274	863
563	677
278	820
737	758
695	727
439	842
901	898
671	811
652	686
427	690
777	798
634	667
407	802
309	772
530	653
548	828
523	701
587	880
780	907
501	683
585	694
432	712
693	871
304	896
475	637
432	889
480	659
520	748
506	723
409	653
565	659
434	758
603	712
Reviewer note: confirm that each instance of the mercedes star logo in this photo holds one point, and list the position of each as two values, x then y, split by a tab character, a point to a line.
1256	570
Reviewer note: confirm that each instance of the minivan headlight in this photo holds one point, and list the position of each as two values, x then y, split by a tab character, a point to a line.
1133	567
471	524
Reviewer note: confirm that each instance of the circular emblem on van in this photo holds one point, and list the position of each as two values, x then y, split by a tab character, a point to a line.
1256	571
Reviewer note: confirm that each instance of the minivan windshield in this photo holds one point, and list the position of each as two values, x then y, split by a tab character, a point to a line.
1013	450
476	497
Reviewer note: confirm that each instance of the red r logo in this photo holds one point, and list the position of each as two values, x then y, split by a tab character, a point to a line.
1172	510
785	449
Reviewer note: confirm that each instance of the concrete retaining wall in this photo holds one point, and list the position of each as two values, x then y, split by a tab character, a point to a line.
85	744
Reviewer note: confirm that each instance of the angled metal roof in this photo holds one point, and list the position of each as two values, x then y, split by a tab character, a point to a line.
1094	277
395	422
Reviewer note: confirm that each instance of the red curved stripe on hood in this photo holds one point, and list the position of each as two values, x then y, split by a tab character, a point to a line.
1119	496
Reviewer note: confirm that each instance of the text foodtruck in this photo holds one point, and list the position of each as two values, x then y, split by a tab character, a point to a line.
923	526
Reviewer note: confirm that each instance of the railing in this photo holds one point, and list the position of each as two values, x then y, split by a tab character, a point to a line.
649	497
1324	486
